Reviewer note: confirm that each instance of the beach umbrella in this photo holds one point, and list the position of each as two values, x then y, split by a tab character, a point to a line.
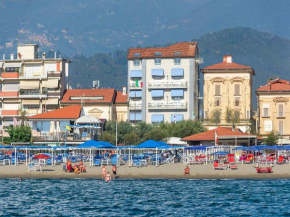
57	127
42	156
52	127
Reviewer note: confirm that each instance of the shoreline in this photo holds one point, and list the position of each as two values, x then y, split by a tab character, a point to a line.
168	171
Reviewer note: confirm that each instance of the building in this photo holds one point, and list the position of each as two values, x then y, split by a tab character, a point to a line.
163	83
31	83
227	86
274	108
226	136
104	104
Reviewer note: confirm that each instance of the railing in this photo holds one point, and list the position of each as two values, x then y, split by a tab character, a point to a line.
30	112
133	84
10	74
53	92
30	92
53	74
135	105
167	84
223	121
9	93
168	105
6	112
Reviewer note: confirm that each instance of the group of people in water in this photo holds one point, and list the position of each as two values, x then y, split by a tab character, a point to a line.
77	168
106	175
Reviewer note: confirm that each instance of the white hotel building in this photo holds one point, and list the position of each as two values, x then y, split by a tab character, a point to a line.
163	83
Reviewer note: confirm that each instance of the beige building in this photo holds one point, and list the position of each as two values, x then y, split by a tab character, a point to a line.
31	83
163	83
227	85
274	108
104	104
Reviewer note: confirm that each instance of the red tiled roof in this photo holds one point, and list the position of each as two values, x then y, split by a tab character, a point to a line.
210	135
120	98
275	85
187	49
226	66
107	94
69	112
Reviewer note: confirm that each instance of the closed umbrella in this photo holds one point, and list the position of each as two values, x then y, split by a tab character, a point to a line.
52	127
57	127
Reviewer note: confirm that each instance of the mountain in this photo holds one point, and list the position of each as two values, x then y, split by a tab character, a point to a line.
91	26
268	54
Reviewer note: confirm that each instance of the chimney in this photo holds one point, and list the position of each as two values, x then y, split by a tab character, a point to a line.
227	59
43	55
12	56
124	90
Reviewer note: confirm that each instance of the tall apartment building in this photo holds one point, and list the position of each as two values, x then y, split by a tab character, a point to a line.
29	82
274	108
227	85
163	83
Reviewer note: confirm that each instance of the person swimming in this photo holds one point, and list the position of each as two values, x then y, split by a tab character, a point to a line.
104	172
108	177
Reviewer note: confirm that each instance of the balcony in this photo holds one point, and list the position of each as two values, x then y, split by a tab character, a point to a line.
167	105
33	93
53	74
10	75
9	112
167	84
30	112
135	105
133	85
8	94
53	93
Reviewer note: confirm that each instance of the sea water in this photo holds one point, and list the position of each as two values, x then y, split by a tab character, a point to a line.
85	197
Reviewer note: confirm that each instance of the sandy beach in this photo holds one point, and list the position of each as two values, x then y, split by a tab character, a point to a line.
168	171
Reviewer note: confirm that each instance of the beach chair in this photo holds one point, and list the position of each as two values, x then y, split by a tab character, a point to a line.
232	163
248	160
281	160
217	166
31	167
97	162
264	169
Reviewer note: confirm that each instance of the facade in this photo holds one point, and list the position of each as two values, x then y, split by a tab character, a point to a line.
104	104
227	85
274	108
226	136
31	83
163	83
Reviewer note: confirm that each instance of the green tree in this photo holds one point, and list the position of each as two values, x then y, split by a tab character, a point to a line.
228	115
216	116
108	137
19	133
272	138
186	128
131	138
23	116
141	129
123	128
156	134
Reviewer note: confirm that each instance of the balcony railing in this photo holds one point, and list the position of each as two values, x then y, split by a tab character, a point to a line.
9	94
133	84
10	74
167	84
135	105
30	112
53	74
30	92
6	112
168	105
53	92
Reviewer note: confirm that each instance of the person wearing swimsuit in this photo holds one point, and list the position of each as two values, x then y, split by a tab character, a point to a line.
187	171
108	177
114	170
104	172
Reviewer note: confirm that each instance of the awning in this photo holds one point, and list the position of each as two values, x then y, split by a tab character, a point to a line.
135	93
157	72
176	93
157	93
176	117
52	101
156	118
51	83
30	102
12	65
178	72
29	84
136	74
135	116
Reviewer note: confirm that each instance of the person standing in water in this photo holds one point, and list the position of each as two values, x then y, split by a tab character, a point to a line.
108	177
114	170
104	172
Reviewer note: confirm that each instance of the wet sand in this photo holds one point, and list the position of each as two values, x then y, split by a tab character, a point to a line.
168	171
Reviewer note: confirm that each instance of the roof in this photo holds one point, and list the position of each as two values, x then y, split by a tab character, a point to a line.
227	65
220	131
69	112
120	98
106	95
275	85
88	119
186	49
152	144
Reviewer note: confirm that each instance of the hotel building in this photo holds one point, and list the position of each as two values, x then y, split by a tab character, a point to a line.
227	85
31	83
163	83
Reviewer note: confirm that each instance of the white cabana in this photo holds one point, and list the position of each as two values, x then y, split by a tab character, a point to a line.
88	119
174	141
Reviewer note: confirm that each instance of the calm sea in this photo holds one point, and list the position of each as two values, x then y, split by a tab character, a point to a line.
66	197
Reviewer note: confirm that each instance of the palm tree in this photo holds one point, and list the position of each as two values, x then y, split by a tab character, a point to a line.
23	116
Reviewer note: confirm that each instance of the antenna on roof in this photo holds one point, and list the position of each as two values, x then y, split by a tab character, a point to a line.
96	84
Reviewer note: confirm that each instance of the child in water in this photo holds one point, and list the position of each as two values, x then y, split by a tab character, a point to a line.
108	177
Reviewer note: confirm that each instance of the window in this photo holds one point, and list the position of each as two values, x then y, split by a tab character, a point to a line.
280	127
177	53
136	55
176	61
266	110
217	90
136	62
280	110
177	98
237	90
157	61
237	102
158	53
217	102
267	126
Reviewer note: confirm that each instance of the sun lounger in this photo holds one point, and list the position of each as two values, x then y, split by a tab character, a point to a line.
281	160
217	166
264	169
248	160
169	160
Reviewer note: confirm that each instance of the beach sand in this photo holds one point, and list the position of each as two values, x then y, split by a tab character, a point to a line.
167	171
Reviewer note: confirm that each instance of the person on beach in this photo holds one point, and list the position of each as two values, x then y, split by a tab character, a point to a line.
108	177
187	171
114	170
104	171
81	166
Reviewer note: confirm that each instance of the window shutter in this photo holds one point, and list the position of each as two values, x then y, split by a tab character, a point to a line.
281	127
280	110
237	89
218	89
